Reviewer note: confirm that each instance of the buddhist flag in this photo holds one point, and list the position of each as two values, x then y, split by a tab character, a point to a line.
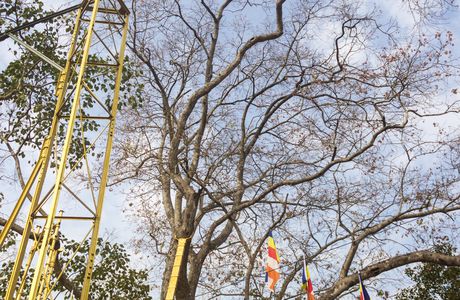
273	263
363	295
307	286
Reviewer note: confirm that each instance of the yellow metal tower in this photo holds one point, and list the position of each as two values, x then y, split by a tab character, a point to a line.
67	185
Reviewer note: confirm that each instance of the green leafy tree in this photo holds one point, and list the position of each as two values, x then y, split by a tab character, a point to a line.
27	104
27	84
433	281
113	278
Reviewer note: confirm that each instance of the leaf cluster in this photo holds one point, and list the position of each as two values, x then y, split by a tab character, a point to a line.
113	277
433	281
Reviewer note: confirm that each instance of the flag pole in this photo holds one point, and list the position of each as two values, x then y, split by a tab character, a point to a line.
303	270
263	289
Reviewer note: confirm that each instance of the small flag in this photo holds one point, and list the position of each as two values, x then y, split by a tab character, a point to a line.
272	274
363	295
307	286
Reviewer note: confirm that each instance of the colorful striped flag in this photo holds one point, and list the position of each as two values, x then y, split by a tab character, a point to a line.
307	286
272	274
363	295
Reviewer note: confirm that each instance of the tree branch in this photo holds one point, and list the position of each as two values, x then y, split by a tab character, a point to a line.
392	263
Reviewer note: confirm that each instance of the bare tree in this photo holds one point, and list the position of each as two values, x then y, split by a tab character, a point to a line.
291	116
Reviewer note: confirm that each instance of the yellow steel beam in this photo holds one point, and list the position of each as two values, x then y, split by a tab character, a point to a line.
36	52
63	160
46	154
76	218
22	198
105	172
68	263
26	269
176	268
53	252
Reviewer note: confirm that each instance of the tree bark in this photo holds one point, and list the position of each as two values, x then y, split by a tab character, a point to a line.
392	263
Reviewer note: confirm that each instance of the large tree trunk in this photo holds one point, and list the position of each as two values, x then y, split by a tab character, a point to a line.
168	268
183	287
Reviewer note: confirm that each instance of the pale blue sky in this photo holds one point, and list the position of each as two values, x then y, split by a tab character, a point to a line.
114	222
